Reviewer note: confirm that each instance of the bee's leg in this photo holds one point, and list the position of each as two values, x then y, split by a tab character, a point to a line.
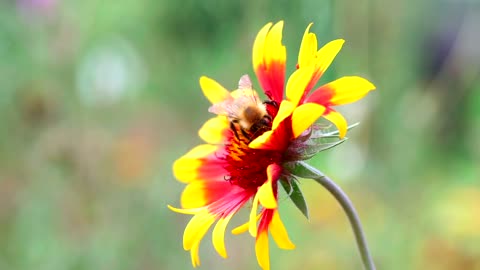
234	129
269	118
259	131
245	134
271	102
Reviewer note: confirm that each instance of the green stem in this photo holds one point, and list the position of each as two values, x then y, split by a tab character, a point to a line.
304	170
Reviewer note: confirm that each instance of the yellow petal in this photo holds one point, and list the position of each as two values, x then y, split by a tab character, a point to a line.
218	236
260	141
339	121
267	47
279	232
304	116
193	196
259	46
348	89
213	131
185	169
185	211
214	91
265	192
326	55
274	50
265	195
252	221
261	250
201	151
197	228
244	227
308	48
194	254
298	82
286	108
241	229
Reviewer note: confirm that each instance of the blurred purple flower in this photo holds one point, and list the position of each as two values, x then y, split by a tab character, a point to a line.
37	7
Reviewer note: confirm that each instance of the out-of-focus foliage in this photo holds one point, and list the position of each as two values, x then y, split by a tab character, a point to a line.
97	98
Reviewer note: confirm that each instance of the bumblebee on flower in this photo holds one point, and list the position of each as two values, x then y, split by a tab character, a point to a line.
249	142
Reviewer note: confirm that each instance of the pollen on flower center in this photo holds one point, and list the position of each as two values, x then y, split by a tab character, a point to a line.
246	166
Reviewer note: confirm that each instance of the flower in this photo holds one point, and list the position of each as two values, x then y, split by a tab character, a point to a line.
249	143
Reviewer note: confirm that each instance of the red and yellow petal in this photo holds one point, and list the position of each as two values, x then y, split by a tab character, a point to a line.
277	139
223	201
269	58
323	58
304	116
339	121
214	91
199	163
270	221
320	60
216	130
201	193
263	141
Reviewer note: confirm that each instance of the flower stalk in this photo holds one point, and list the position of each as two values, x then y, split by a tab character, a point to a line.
305	170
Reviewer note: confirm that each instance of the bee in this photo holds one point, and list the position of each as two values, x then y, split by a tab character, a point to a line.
244	110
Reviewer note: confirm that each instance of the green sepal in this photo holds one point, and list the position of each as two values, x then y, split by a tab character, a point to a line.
336	133
317	145
313	142
302	170
290	186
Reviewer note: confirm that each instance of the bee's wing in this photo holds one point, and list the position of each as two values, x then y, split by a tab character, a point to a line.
237	101
233	107
229	107
246	89
221	108
245	82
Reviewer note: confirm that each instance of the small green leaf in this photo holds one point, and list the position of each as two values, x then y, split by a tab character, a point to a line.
293	190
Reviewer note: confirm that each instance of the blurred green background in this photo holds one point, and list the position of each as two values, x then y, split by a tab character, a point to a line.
98	98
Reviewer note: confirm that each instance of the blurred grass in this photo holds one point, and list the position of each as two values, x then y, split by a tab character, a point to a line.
98	98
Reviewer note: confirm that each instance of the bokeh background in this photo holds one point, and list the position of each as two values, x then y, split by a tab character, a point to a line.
98	98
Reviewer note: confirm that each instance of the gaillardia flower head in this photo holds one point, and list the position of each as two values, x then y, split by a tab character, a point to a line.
249	142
